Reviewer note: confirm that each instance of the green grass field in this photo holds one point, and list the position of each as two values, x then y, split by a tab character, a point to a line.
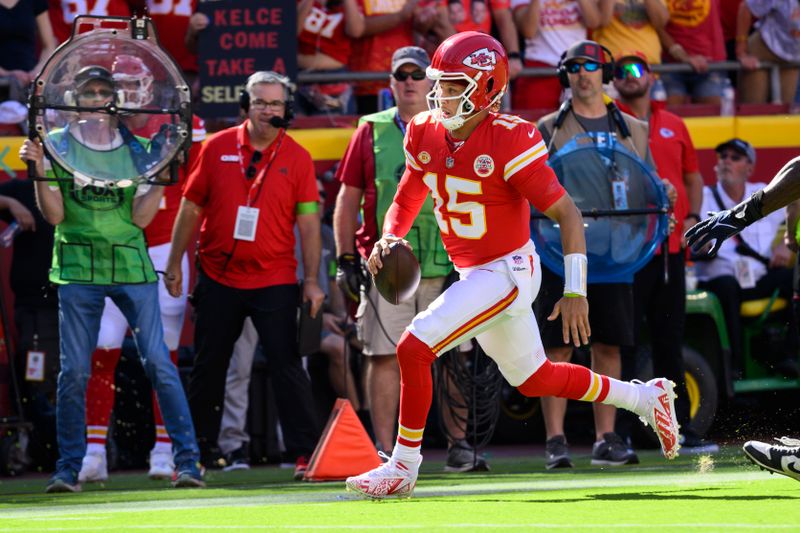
720	493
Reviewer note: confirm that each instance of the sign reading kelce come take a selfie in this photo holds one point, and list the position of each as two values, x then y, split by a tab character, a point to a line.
242	37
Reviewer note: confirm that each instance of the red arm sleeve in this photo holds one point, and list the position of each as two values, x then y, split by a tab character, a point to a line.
529	173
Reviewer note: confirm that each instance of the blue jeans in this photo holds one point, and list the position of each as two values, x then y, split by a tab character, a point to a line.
80	310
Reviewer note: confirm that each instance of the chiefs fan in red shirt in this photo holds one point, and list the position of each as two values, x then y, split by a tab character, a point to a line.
63	12
171	18
659	296
483	169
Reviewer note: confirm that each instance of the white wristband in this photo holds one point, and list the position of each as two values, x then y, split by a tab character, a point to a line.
575	270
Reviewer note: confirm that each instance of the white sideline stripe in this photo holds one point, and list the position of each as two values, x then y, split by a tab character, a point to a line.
198	502
384	527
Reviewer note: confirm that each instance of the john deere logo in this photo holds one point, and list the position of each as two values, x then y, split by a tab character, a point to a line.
98	198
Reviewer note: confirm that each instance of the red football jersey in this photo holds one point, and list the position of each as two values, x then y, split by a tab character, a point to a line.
323	31
63	12
171	18
481	186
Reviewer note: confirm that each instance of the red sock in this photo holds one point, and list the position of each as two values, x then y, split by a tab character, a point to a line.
100	394
566	380
161	431
416	388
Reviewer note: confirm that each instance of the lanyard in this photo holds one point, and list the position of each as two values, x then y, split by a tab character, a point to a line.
400	123
261	175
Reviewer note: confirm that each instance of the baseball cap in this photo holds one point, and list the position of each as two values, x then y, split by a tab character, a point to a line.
743	147
410	54
585	50
634	55
93	72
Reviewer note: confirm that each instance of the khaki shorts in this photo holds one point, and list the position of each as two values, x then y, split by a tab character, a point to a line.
380	324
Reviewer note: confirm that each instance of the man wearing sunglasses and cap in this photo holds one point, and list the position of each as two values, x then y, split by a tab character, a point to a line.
751	265
370	170
585	67
661	299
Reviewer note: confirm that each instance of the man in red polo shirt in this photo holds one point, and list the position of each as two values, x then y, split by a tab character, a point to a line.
663	303
250	185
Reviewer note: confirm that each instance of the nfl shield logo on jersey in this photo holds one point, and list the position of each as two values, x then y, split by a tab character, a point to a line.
484	165
483	59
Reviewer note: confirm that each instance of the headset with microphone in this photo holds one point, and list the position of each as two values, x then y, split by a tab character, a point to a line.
608	67
271	77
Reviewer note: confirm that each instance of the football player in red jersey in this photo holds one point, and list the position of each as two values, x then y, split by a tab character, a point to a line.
483	169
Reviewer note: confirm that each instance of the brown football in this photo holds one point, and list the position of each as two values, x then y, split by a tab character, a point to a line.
397	281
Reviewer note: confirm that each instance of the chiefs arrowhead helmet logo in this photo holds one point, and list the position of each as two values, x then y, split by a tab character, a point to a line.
483	59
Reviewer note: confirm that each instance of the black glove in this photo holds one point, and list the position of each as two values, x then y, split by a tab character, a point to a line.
724	224
349	276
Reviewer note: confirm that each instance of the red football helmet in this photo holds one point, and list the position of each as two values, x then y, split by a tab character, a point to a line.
134	79
476	59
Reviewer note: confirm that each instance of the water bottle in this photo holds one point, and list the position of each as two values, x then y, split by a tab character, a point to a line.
7	237
657	92
691	277
728	98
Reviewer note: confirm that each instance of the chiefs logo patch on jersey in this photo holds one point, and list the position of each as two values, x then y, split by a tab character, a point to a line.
424	157
484	165
483	59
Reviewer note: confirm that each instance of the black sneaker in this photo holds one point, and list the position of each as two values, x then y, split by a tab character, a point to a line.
237	460
612	451
692	443
63	482
556	452
782	459
461	457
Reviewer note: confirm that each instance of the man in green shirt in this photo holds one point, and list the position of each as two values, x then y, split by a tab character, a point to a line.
100	252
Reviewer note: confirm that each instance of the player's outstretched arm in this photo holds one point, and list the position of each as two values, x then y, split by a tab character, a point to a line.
573	307
783	189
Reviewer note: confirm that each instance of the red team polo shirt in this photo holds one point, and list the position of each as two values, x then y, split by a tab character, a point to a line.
481	187
674	155
217	184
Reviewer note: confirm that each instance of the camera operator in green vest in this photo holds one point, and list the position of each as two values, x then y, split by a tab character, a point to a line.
100	252
369	173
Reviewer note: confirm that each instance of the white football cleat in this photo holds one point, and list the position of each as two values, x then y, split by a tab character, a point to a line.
659	413
93	468
393	479
161	465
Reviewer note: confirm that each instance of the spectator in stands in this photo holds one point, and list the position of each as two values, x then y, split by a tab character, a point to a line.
21	21
431	24
751	265
549	28
631	25
694	36
369	172
388	26
35	315
63	13
659	288
473	15
325	32
729	14
88	266
250	185
172	20
612	321
776	39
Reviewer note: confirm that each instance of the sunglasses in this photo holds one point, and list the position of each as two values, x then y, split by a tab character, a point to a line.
634	70
733	156
415	75
251	168
589	66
